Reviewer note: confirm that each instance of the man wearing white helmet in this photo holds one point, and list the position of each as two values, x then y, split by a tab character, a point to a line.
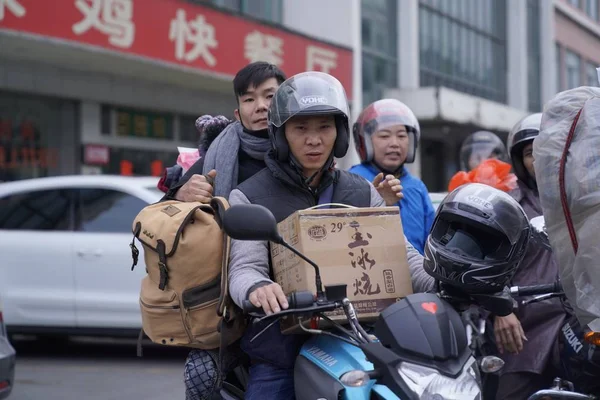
386	136
480	146
527	339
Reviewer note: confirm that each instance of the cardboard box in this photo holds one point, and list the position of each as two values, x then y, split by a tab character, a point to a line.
361	247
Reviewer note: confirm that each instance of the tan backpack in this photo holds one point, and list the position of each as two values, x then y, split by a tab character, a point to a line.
184	299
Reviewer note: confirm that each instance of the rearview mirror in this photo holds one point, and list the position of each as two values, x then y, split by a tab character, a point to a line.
251	222
538	232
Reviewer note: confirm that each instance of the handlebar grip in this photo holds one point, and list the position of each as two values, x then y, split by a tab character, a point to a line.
248	307
539	289
302	299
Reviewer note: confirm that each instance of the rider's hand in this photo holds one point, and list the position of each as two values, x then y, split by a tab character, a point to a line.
389	188
509	334
197	189
270	298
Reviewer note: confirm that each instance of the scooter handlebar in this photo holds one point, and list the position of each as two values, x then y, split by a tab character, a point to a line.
296	300
536	289
559	394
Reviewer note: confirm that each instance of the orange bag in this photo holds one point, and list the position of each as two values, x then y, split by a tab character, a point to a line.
491	172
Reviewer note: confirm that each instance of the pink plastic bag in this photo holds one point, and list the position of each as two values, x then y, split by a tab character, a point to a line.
187	157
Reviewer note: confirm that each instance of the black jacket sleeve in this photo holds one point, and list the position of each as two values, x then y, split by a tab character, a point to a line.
195	169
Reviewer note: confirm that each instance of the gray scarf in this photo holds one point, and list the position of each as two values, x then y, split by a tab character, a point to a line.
222	156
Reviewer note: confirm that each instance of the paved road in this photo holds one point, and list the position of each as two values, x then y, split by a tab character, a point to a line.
97	369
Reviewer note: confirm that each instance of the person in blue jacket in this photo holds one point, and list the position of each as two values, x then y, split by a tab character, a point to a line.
386	136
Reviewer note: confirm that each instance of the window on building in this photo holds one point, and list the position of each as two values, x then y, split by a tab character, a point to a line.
591	75
38	136
144	124
463	46
591	9
379	47
534	54
573	69
147	124
187	129
575	3
269	10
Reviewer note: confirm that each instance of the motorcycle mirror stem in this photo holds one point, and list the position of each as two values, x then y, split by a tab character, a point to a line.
256	222
318	283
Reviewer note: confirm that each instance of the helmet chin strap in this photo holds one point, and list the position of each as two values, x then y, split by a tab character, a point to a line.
387	171
298	167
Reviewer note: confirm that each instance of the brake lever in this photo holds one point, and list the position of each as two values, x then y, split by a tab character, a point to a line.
541	297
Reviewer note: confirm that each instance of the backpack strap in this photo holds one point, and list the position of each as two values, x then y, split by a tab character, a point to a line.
220	205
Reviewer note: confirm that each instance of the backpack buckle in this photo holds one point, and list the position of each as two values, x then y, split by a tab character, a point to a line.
225	314
135	253
164	275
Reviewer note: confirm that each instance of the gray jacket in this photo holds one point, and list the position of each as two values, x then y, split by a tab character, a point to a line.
249	260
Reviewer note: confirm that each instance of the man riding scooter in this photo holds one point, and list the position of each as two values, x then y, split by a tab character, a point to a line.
481	146
527	340
308	127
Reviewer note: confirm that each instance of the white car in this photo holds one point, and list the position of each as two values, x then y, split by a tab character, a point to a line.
66	263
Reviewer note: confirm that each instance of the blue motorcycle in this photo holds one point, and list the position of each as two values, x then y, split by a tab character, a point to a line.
417	349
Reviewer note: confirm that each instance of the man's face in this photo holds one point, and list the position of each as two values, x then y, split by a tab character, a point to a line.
528	159
311	140
390	147
253	105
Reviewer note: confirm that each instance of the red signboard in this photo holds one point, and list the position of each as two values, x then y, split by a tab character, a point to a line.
178	32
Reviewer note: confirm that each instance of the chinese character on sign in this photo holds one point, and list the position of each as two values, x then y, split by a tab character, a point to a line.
364	286
320	59
111	17
197	32
13	6
362	260
262	47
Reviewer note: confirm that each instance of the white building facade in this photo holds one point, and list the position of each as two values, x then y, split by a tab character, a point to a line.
467	65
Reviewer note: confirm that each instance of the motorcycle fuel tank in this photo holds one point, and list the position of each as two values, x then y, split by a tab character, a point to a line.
426	330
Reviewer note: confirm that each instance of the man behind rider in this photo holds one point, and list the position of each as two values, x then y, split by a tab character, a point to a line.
528	340
481	146
386	136
299	174
234	156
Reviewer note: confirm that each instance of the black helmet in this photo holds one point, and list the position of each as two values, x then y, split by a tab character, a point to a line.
522	133
481	145
478	238
309	93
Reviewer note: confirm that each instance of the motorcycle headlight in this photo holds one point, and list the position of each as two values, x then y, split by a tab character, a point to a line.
429	384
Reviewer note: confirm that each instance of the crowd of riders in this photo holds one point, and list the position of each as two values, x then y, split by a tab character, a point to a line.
281	144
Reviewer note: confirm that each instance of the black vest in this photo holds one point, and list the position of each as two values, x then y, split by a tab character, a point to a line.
277	189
